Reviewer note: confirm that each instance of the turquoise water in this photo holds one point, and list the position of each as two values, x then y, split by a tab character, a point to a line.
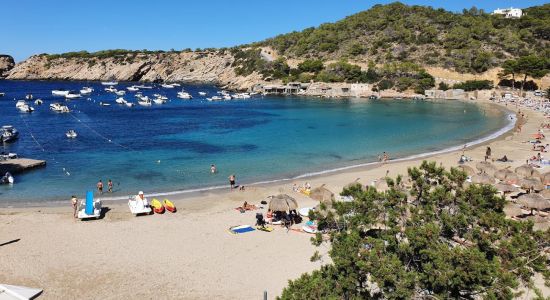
171	147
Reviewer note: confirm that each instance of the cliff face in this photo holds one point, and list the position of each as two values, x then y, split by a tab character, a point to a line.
6	64
209	67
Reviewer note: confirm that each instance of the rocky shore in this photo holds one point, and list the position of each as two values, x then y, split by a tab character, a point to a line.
6	64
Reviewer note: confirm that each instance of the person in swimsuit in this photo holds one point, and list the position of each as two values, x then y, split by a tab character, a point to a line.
74	202
100	187
110	186
232	181
213	169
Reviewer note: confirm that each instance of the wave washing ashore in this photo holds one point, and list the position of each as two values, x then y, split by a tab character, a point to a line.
170	147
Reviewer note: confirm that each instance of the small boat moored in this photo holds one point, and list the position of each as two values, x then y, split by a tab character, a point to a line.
132	88
72	95
23	106
109	83
184	95
58	107
71	134
86	90
38	102
7	179
9	134
60	92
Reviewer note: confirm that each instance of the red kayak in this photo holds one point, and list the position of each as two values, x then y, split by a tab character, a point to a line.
158	208
169	206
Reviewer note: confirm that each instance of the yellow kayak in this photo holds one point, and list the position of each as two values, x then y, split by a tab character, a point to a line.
157	206
169	205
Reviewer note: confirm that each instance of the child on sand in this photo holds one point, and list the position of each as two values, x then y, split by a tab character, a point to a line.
74	202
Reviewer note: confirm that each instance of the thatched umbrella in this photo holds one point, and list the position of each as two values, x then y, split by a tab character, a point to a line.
467	169
545	194
531	183
545	178
283	202
533	201
321	194
526	171
483	179
486	167
506	175
505	188
541	223
512	210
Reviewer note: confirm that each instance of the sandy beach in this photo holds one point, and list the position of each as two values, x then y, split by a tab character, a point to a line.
191	254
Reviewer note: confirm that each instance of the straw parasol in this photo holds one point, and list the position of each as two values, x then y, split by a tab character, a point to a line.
321	194
545	194
533	201
486	167
505	188
512	210
526	171
545	178
467	169
483	179
283	202
541	223
506	175
531	183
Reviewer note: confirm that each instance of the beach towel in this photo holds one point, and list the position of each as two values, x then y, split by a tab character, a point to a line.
240	229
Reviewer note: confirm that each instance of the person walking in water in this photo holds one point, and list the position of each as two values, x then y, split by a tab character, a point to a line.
213	169
100	187
110	186
232	181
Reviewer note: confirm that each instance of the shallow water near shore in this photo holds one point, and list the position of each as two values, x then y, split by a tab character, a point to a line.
170	147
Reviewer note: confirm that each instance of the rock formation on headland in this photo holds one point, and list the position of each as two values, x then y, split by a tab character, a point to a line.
6	64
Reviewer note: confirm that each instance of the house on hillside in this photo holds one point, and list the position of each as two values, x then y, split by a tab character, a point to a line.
509	12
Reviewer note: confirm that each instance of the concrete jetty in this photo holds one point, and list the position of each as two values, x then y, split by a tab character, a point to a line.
19	165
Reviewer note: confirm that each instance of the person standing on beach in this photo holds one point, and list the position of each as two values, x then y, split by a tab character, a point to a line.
386	157
110	186
100	187
487	153
74	202
232	181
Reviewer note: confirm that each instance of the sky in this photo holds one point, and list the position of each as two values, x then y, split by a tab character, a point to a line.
56	26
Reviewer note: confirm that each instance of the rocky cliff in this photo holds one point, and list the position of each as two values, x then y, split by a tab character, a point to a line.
6	64
205	67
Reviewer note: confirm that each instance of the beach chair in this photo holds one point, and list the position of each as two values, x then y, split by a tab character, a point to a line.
89	207
137	207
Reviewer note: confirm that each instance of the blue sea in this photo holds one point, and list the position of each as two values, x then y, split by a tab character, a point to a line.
170	147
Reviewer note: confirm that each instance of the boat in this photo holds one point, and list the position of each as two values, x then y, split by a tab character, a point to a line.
160	96
226	97
241	96
7	179
120	93
202	93
29	96
169	206
58	107
86	90
73	95
71	134
216	98
9	134
145	101
23	106
2	94
144	87
38	102
167	86
159	101
111	83
158	208
138	206
110	89
104	104
132	88
60	92
17	292
129	104
176	84
184	95
120	100
89	207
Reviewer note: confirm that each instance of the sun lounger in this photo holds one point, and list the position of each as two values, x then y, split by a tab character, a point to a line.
90	207
137	207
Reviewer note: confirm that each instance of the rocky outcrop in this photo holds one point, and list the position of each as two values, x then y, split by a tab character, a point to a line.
6	64
201	67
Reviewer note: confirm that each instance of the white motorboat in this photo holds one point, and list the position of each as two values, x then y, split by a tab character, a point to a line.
104	104
216	98
72	95
60	92
129	104
226	97
132	88
167	86
159	101
71	134
29	96
120	93
7	179
110	89
9	134
38	102
120	100
145	101
2	94
159	96
184	95
23	106
176	84
241	96
86	90
202	93
144	87
109	83
58	107
141	97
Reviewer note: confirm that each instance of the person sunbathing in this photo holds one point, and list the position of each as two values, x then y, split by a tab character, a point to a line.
503	159
247	206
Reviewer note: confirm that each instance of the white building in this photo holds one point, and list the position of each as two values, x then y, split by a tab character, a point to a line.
509	12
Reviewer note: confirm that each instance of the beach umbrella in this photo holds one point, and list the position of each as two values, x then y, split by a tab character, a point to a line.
506	175
483	179
534	201
467	169
512	210
545	178
545	194
506	188
321	194
486	167
531	183
525	171
541	223
282	202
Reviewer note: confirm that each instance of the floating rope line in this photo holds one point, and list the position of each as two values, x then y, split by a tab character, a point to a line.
100	135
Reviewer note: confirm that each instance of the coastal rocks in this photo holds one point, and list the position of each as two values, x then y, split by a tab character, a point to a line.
6	63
